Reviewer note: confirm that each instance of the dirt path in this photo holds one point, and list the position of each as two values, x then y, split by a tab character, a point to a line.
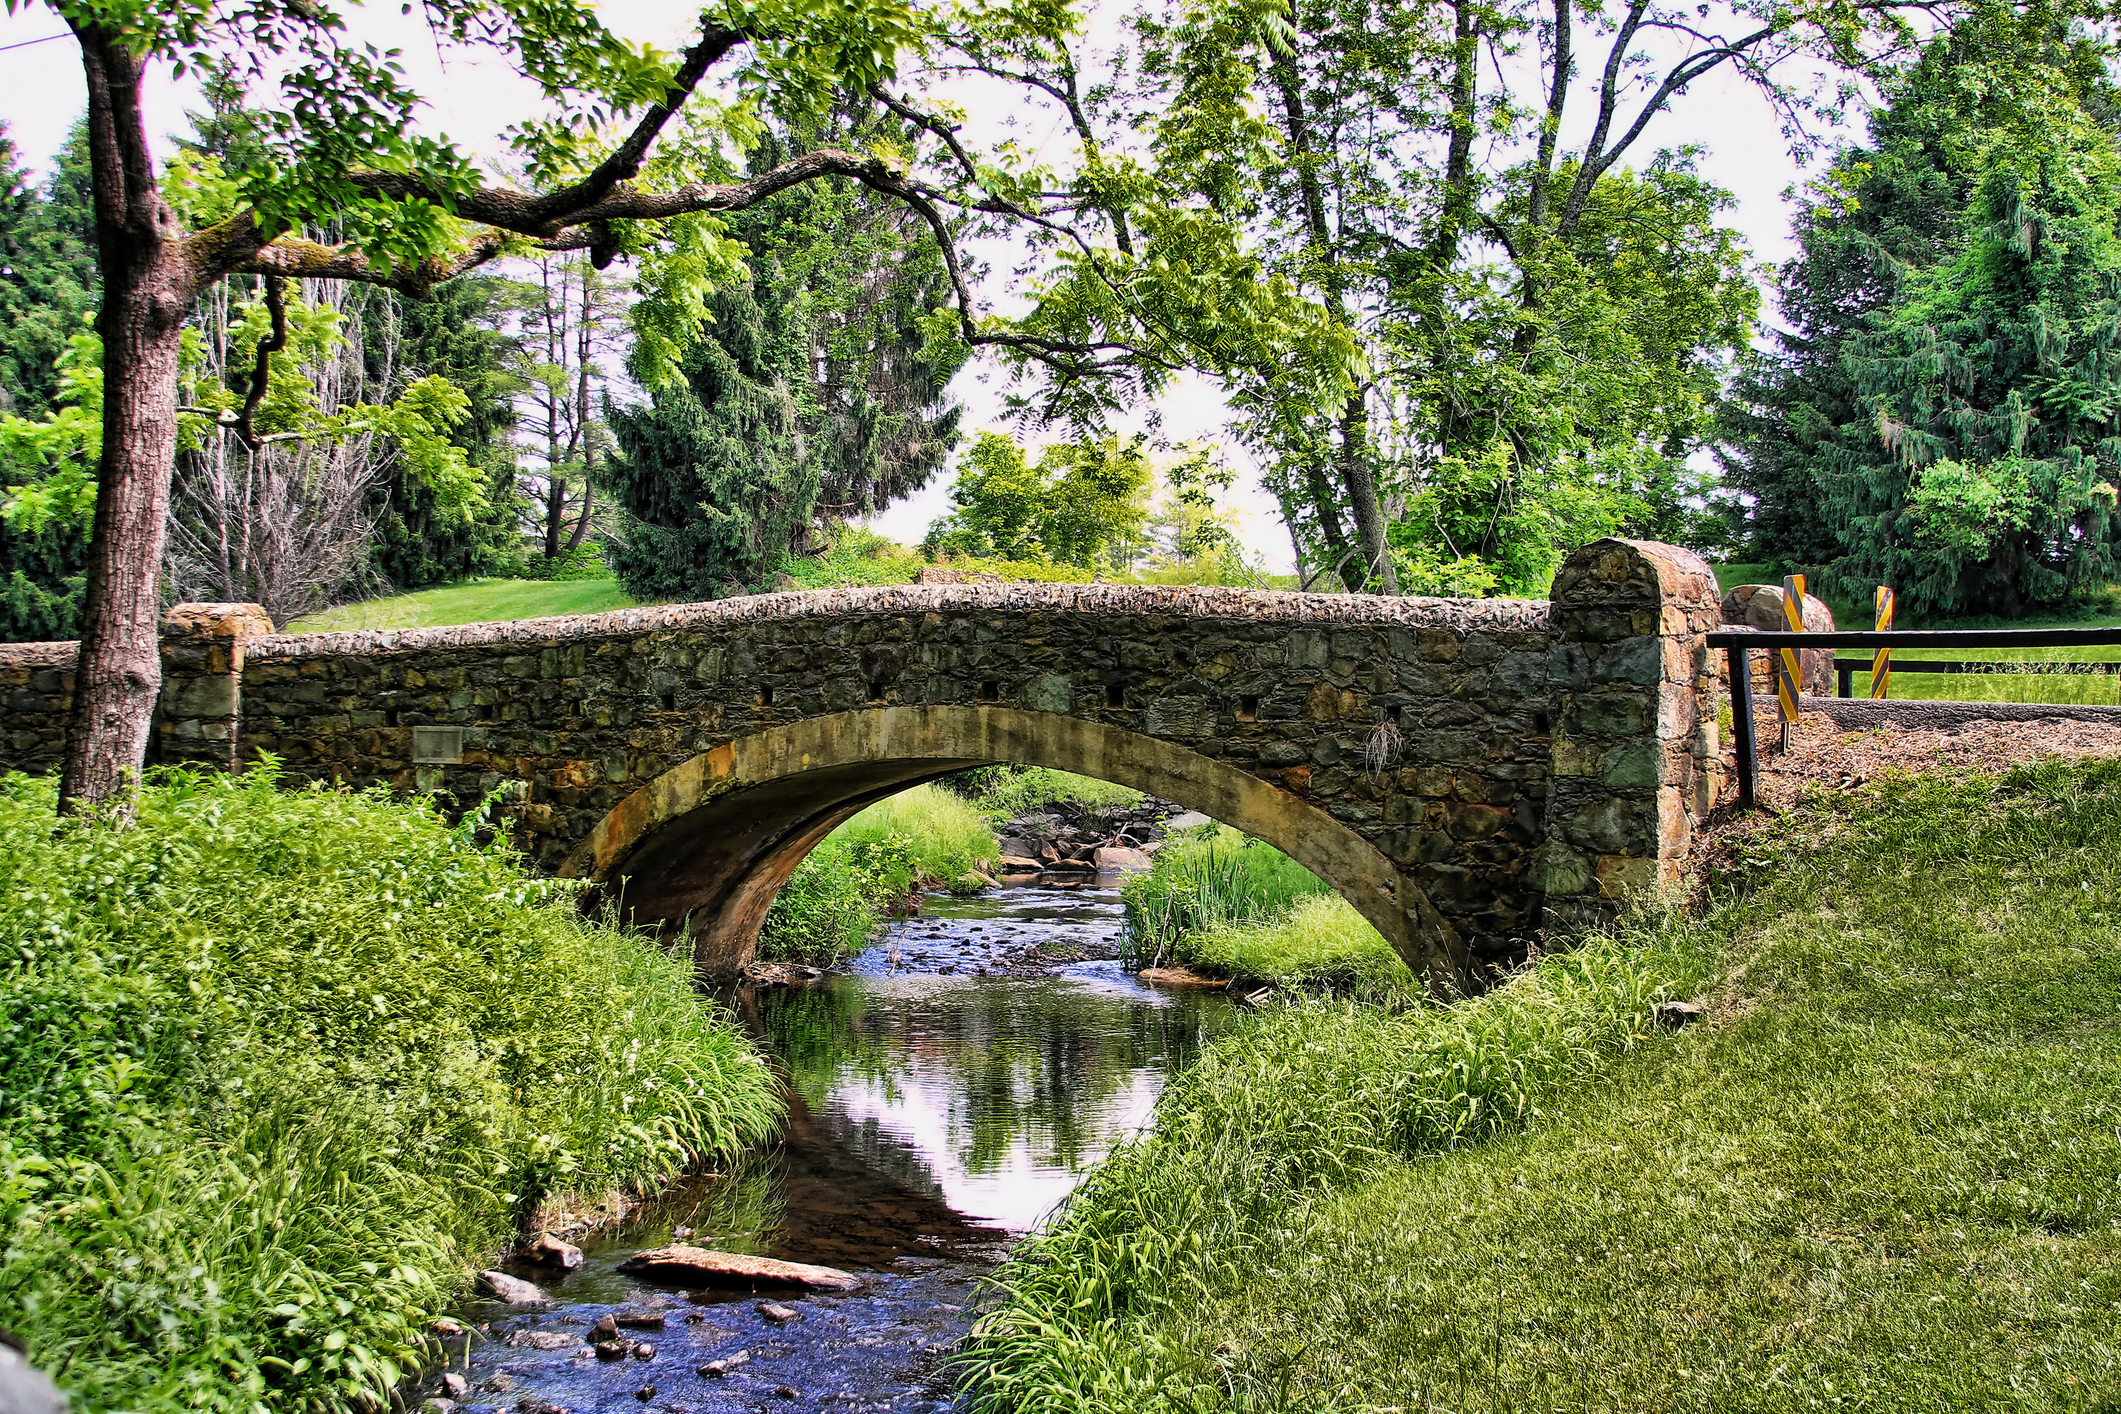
1825	755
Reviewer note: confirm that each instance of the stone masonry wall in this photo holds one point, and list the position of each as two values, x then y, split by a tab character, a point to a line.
572	715
1425	725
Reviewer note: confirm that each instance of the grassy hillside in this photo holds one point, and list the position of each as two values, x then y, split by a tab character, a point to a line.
477	602
1879	1176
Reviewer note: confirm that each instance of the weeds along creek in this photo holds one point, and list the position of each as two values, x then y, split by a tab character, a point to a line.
946	1089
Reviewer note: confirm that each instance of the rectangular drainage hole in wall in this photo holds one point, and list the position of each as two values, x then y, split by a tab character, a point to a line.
876	692
765	696
437	746
1115	694
669	701
990	692
1394	714
1248	709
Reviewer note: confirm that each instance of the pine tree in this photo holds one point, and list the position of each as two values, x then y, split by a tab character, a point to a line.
812	396
1906	268
455	332
47	273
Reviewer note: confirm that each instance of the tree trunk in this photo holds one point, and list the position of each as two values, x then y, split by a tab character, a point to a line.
581	523
147	288
1361	481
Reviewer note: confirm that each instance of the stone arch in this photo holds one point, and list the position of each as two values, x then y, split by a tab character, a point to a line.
707	844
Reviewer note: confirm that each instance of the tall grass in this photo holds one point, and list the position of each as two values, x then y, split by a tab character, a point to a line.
279	1068
948	836
1212	879
1099	1312
1317	941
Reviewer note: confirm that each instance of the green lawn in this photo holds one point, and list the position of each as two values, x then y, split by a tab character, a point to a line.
478	602
1880	1175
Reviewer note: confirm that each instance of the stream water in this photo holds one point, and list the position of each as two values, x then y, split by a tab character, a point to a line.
946	1091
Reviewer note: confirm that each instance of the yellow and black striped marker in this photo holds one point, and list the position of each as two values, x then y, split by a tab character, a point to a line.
1789	682
1882	662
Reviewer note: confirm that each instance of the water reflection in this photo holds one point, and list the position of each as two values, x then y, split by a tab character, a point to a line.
935	1113
993	1093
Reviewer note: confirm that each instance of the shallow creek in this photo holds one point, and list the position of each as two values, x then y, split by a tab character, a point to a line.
941	1103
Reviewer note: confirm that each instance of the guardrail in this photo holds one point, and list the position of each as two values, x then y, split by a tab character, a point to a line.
1739	647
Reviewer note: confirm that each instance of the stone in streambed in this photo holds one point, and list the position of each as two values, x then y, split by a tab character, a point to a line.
549	1251
640	1318
701	1267
605	1329
1118	857
715	1369
514	1290
779	1314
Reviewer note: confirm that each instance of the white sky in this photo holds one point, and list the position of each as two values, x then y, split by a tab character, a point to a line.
471	97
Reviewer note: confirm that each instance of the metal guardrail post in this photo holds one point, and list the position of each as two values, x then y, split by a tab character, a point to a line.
1742	723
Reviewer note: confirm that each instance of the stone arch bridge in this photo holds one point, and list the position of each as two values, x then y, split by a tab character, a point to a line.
1465	772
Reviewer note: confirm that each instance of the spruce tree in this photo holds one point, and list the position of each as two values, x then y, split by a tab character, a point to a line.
715	477
47	289
454	331
813	395
47	273
1951	279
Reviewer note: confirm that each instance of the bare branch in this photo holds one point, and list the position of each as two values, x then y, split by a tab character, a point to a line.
261	371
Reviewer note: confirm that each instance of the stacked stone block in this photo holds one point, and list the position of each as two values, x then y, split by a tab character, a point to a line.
1636	760
199	717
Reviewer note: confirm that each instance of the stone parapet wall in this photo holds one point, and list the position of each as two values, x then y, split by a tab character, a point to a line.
36	697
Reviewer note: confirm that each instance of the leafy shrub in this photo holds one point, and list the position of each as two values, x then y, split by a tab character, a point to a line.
280	1067
858	556
1005	792
836	899
584	561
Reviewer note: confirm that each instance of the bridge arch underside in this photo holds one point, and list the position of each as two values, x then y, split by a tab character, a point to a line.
705	846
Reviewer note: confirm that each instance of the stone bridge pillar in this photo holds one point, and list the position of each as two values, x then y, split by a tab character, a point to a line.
199	716
1635	759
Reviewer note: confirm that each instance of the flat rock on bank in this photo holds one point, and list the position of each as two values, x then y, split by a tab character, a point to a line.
701	1267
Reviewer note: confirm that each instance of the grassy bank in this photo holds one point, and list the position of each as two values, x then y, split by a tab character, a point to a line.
476	602
1224	905
836	899
281	1069
1880	1176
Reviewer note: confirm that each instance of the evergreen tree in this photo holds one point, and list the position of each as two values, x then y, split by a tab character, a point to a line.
455	331
813	395
714	476
47	289
1922	421
47	273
